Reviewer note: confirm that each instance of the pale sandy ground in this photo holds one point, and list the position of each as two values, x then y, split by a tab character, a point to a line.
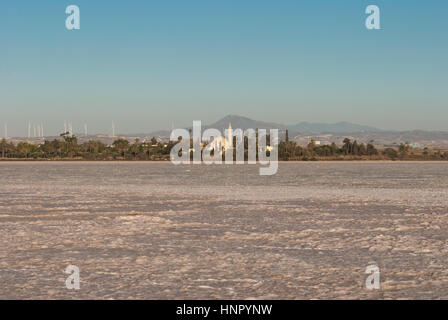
156	231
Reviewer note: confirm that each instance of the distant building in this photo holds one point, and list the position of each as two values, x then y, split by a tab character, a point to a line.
225	143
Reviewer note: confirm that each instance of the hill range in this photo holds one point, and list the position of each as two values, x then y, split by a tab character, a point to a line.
301	132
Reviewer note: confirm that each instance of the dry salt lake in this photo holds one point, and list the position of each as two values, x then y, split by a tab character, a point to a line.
147	230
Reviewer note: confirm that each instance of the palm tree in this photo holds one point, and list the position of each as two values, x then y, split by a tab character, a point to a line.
347	147
135	148
3	145
121	145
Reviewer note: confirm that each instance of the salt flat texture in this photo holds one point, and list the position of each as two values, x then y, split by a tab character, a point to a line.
145	230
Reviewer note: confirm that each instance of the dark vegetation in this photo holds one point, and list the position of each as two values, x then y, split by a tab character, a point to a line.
68	148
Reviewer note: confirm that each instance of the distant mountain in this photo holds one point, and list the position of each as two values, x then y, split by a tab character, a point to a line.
239	122
246	123
302	133
339	127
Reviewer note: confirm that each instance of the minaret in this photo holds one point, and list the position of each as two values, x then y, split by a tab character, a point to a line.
229	142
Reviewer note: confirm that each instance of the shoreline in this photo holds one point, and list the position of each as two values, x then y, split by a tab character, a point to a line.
223	163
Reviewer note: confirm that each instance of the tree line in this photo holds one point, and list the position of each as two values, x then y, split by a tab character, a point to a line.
69	148
352	150
121	149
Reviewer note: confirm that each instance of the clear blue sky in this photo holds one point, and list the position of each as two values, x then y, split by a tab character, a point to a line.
148	64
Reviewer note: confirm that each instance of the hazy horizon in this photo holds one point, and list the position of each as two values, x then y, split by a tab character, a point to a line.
149	66
79	130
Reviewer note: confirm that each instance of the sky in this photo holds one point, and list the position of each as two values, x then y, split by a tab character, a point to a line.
151	65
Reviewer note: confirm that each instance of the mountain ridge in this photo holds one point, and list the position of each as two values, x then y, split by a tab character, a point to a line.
336	127
243	122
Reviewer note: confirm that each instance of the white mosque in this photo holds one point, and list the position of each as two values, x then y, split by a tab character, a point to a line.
226	141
